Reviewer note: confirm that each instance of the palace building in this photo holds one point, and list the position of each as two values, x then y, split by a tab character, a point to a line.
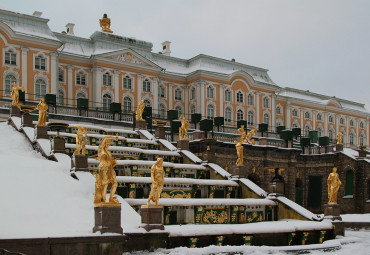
107	68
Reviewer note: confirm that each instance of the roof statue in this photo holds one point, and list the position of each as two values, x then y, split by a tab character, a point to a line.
333	186
105	24
42	107
15	93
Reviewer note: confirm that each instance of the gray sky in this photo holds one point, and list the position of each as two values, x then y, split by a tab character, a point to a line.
316	45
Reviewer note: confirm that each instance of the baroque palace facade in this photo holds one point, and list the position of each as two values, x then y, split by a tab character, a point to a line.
109	68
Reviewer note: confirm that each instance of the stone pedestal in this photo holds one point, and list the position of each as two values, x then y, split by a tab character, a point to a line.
322	150
362	154
14	111
141	124
332	212
277	187
240	171
108	218
59	145
306	150
290	144
160	132
339	147
208	155
79	162
27	120
183	144
41	132
262	141
152	217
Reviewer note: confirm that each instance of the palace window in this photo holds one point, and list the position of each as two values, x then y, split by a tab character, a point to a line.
266	102
192	93
331	119
162	111
210	111
351	139
295	112
294	125
278	110
9	79
342	121
362	140
239	97
228	95
178	94
192	109
250	99
107	100
40	62
306	130
81	78
60	97
319	132
146	85
178	109
147	103
127	82
362	124
240	115
81	95
60	74
10	57
351	123
266	118
228	114
40	88
127	104
319	117
210	92
107	79
307	115
331	134
250	118
162	91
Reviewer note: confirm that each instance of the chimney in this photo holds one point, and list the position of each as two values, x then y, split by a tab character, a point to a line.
166	46
37	14
70	27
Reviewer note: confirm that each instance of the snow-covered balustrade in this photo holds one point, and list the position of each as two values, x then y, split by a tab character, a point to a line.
93	129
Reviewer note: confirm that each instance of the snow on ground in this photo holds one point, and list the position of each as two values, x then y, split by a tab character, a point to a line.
356	218
38	196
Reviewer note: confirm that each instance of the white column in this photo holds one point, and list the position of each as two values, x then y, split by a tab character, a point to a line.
155	94
258	107
186	98
273	112
91	88
97	87
347	129
116	86
287	115
357	132
170	97
314	120
337	117
325	123
202	99
221	103
368	130
24	70
53	73
70	85
139	87
301	114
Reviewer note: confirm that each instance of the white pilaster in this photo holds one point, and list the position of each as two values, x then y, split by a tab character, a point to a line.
287	115
139	87
314	120
357	132
70	85
53	74
301	114
347	129
202	99
273	112
116	86
24	70
258	107
221	104
90	88
170	96
368	130
337	117
325	116
186	98
155	94
97	87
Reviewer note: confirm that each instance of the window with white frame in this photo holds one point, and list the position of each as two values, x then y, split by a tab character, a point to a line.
266	118
266	102
278	110
9	80
146	85
162	111
60	97
107	100
210	92
228	114
162	91
306	130
331	134
210	111
319	117
341	121
60	74
239	97
178	94
40	88
319	132
344	136
147	103
362	140
40	62
294	125
192	93
127	104
81	95
107	79
295	113
250	99
239	115
331	119
10	57
352	138
362	125
250	118
127	82
192	109
178	109
228	95
351	123
80	78
307	115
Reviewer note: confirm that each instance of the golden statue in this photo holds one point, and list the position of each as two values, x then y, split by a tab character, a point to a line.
183	130
139	110
249	136
42	107
239	151
106	173
105	24
81	141
333	186
15	93
243	135
157	174
339	137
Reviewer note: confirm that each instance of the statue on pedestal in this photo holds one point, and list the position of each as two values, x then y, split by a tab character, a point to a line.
243	135
339	137
249	136
183	130
42	107
140	110
106	173
157	175
15	93
239	151
81	141
333	186
105	24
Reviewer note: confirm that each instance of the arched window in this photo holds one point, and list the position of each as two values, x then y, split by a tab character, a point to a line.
178	94
351	138
307	115
107	79
210	111
306	130
179	110
127	104
349	183
266	102
319	132
240	115
127	81
10	57
60	74
278	110
40	62
239	97
228	114
60	97
192	93
362	124
250	118
342	121
250	99
294	125
295	112
162	91
107	100
146	85
40	88
228	95
266	118
147	103
210	92
331	119
319	117
9	79
351	123
362	140
81	78
80	95
162	111
192	109
331	134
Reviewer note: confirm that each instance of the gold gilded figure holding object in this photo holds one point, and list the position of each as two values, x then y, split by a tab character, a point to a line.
81	141
157	174
42	107
239	151
249	136
106	173
105	24
339	137
15	94
140	110
183	130
333	186
243	135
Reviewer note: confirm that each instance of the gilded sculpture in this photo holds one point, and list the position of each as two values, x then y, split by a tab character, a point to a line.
105	24
249	136
333	186
239	151
81	140
140	110
243	135
157	175
15	93
42	107
183	130
339	137
105	174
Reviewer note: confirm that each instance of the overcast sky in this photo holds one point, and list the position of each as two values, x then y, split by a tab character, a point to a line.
316	45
